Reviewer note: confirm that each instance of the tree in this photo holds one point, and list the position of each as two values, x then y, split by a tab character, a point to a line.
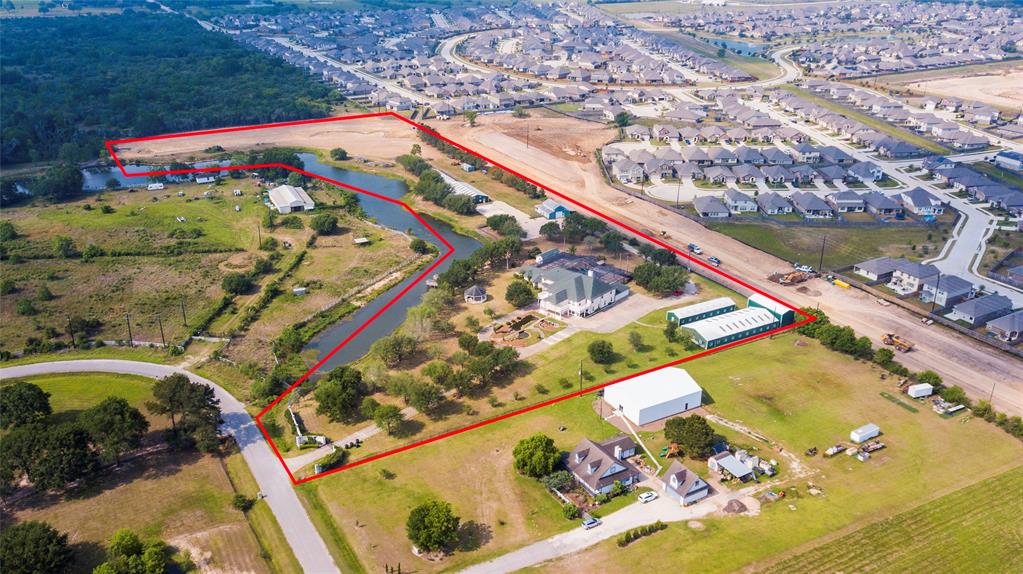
930	377
416	149
7	231
60	182
460	204
22	403
601	352
193	408
424	397
324	223
34	547
170	397
519	294
338	154
388	418
340	394
954	394
432	526
570	511
470	116
671	332
368	407
237	283
884	357
419	246
693	434
622	119
63	246
63	457
393	349
558	480
439	372
115	427
536	456
519	112
636	341
128	554
551	231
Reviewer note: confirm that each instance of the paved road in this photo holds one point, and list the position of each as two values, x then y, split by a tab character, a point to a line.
616	523
305	541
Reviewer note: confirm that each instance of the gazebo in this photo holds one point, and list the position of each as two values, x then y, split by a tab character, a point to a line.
475	294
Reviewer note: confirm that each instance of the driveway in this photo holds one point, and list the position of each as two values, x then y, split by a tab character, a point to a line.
305	541
632	516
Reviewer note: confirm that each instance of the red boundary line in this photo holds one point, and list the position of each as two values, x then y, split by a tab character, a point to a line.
450	250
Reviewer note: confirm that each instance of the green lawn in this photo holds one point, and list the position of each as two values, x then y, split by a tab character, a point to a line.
844	246
870	121
1008	177
990	511
70	394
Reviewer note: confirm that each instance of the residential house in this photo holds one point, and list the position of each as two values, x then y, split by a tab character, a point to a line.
882	205
945	290
738	202
879	269
725	464
773	204
921	202
627	171
1007	328
708	206
909	276
811	206
846	202
597	466
684	485
980	310
569	293
865	171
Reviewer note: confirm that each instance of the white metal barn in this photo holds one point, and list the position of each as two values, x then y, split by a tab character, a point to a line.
655	395
864	433
288	198
920	390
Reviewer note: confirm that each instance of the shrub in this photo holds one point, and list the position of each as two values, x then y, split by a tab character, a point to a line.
324	223
242	502
338	154
601	352
236	283
570	511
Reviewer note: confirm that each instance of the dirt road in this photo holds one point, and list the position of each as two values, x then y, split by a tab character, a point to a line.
975	367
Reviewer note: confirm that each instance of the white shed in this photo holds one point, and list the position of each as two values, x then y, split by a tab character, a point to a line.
288	198
864	433
920	390
655	395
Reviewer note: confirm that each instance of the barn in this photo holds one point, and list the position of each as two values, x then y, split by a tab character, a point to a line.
288	199
655	395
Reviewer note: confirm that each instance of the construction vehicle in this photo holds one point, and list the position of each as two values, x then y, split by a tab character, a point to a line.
793	277
900	344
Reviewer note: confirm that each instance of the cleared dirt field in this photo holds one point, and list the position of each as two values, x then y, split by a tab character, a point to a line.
1003	90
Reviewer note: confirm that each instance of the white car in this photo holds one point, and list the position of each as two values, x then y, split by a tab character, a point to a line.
647	496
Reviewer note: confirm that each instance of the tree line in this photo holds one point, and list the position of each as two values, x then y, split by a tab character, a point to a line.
135	74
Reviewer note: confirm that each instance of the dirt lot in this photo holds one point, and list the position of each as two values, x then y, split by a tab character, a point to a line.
1003	90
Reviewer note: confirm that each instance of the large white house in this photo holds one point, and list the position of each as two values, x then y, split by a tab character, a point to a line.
288	198
655	395
569	293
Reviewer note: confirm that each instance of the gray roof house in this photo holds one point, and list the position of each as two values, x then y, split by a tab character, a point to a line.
846	201
811	206
909	276
572	294
739	202
708	206
877	269
773	204
1007	328
945	290
866	171
921	202
684	485
978	311
881	204
598	465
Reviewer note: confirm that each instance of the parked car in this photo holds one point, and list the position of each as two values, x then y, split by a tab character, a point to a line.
591	522
695	249
647	496
714	261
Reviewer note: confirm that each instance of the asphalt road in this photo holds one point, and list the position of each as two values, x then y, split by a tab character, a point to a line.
305	541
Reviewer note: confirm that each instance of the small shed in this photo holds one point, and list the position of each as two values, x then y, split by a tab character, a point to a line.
920	390
864	433
361	241
475	294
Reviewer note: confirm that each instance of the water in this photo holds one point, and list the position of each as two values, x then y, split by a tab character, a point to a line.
395	217
740	47
95	179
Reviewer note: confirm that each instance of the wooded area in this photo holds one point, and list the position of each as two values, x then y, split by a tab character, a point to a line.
70	83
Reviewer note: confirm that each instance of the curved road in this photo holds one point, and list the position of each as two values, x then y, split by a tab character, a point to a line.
305	541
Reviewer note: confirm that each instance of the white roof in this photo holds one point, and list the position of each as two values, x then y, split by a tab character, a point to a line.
290	195
704	307
732	323
769	304
652	388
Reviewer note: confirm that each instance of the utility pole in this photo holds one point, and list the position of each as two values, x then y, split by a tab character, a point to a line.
131	340
259	235
580	374
71	332
820	266
184	320
162	338
678	192
937	287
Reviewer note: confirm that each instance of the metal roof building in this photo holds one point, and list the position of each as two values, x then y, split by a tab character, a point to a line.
730	327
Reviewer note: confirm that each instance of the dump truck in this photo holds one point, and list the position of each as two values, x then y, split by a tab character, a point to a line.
900	344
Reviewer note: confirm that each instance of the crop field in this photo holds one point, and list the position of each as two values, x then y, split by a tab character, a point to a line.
975	529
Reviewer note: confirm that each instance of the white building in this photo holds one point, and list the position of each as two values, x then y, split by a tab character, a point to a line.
655	395
288	198
864	433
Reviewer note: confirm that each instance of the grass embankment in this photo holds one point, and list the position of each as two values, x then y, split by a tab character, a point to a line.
844	245
870	121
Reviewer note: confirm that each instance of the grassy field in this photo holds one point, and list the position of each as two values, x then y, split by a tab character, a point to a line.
183	498
801	395
759	68
990	510
1000	244
1006	176
268	532
870	121
844	246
